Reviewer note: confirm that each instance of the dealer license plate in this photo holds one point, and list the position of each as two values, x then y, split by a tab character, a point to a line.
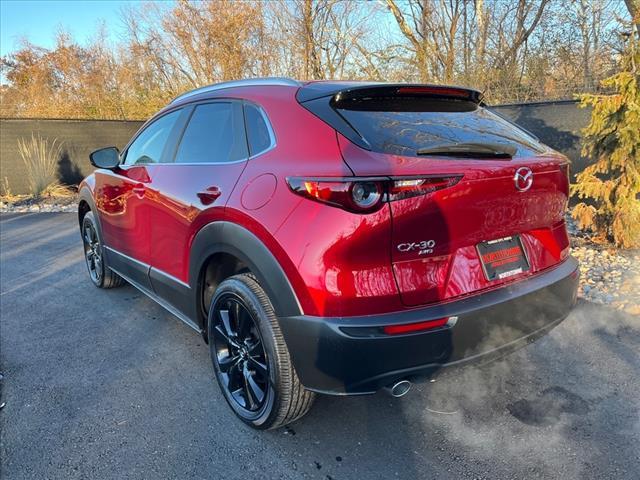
503	257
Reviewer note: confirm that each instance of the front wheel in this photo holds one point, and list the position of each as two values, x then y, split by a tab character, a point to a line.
250	358
99	272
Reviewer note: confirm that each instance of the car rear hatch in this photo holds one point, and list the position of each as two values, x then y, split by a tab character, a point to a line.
494	208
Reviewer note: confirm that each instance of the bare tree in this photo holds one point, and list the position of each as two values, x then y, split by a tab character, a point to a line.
321	38
512	49
194	43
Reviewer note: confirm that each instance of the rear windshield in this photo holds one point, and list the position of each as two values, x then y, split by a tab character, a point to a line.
404	125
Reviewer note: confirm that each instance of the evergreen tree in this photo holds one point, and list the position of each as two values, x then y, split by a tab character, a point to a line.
610	187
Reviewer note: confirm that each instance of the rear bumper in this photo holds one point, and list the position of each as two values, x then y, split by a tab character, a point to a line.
350	355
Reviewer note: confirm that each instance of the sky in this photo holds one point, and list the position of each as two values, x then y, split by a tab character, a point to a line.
40	20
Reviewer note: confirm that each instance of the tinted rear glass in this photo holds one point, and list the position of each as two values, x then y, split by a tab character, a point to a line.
404	125
214	134
258	134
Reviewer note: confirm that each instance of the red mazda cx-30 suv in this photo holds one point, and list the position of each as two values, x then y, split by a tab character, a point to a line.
334	237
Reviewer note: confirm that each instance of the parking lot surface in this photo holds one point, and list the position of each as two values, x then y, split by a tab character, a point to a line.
106	384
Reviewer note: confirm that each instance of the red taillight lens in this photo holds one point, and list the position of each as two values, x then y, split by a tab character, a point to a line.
366	195
324	191
415	327
411	187
363	196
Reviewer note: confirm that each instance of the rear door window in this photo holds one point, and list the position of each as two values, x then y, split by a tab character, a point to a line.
214	134
405	125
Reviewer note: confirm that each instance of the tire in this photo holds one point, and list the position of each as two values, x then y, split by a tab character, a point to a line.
245	340
97	264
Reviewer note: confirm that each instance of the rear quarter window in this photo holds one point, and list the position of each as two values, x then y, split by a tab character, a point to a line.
404	125
259	134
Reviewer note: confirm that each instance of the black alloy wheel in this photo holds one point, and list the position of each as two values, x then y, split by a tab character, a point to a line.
97	263
92	252
240	354
250	357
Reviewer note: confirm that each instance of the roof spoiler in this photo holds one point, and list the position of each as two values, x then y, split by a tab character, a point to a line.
338	90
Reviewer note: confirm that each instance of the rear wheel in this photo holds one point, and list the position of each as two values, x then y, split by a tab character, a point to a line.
99	272
250	357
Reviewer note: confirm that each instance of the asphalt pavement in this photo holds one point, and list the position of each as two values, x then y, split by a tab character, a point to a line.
106	384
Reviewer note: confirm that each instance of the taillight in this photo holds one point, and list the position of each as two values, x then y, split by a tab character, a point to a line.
360	197
367	195
411	187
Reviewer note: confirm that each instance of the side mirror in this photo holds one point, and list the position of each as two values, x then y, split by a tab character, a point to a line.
108	158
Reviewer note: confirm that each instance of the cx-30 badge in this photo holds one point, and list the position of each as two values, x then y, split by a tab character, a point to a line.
424	247
523	179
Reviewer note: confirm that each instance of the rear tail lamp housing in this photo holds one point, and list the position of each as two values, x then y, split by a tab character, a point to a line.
367	194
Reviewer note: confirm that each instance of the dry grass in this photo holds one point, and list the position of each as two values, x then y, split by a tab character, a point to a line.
53	193
58	190
6	195
40	158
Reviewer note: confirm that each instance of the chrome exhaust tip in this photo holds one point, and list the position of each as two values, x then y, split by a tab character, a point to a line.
399	388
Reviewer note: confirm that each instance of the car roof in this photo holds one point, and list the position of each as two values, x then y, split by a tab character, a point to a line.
249	82
308	90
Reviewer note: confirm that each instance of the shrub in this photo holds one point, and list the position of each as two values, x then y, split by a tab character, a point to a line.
40	159
611	185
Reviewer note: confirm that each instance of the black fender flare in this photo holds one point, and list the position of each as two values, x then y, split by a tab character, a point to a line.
230	238
86	195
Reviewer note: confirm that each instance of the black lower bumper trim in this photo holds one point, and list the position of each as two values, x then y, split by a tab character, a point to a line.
340	356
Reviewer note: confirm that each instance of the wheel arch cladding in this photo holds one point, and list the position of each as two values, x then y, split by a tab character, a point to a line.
83	208
86	204
226	237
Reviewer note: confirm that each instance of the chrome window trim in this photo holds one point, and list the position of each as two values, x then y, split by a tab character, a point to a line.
195	105
267	122
195	164
272	136
272	143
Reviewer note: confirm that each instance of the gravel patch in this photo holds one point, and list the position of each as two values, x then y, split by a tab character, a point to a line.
608	276
45	205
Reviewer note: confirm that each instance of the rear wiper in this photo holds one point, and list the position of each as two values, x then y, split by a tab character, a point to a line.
500	150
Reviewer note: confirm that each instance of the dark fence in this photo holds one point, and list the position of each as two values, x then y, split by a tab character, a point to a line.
557	124
78	138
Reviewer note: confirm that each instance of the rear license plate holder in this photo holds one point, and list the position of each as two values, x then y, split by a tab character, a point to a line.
502	258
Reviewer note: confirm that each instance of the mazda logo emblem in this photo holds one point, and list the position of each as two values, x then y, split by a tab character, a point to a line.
523	179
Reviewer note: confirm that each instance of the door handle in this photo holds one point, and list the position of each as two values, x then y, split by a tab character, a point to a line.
210	195
138	189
